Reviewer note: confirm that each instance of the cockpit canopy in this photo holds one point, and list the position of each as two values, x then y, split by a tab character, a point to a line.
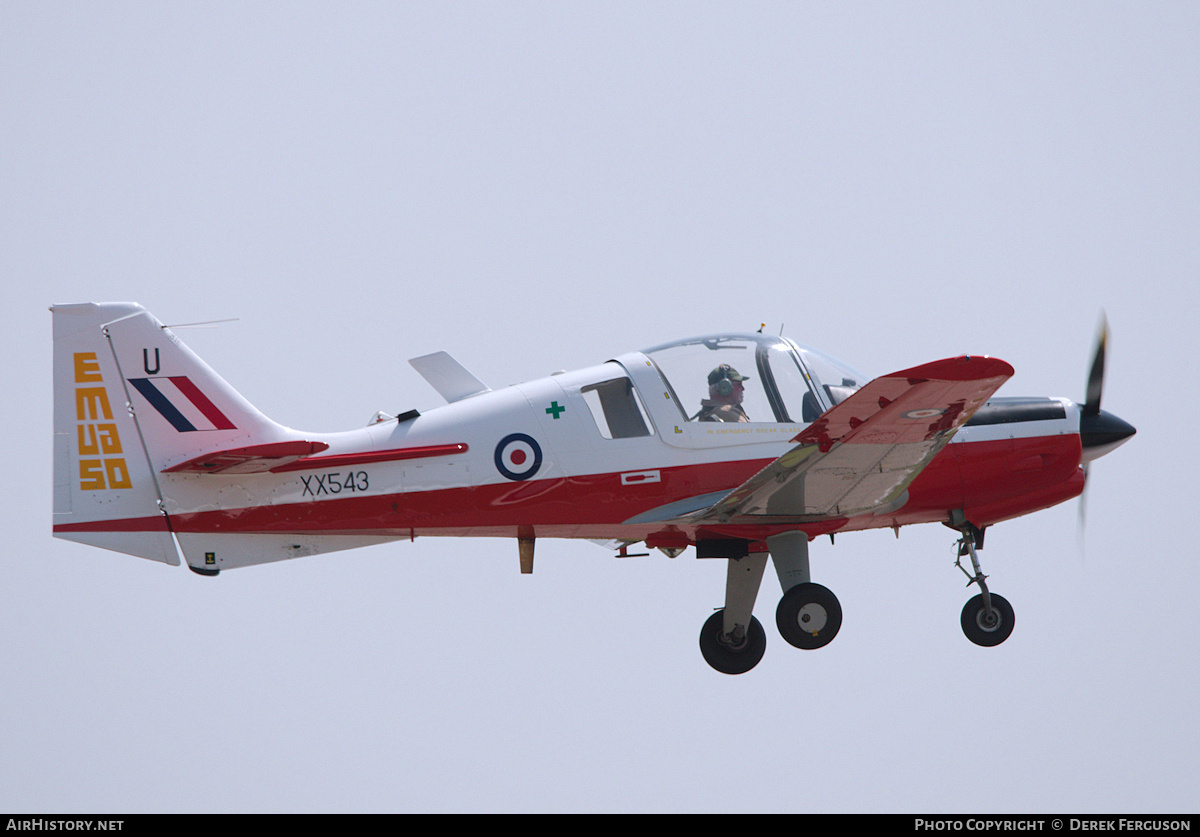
780	381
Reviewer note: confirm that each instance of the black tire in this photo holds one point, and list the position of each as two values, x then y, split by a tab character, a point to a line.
809	616
981	629
727	659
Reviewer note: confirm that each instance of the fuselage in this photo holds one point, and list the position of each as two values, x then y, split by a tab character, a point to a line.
609	453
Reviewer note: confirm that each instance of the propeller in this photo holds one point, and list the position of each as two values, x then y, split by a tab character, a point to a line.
1099	432
1091	407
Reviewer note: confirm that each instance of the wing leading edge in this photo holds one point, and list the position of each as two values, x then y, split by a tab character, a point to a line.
861	455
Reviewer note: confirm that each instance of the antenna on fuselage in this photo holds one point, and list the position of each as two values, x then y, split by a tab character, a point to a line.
205	324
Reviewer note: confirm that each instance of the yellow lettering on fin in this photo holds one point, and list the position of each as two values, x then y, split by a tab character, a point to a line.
87	368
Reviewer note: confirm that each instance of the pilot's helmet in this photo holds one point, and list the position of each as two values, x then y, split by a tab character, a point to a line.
723	377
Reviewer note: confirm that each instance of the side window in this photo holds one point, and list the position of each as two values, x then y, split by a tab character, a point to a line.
616	408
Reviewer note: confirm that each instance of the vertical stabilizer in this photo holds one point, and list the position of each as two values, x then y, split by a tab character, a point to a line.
131	401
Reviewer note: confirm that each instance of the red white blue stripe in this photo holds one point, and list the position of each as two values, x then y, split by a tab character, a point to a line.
182	404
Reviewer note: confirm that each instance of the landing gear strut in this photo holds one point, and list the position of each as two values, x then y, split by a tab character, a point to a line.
732	640
988	618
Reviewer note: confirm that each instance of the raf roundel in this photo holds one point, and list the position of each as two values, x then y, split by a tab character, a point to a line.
931	412
518	456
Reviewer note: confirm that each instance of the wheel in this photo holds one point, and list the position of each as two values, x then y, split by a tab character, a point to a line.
987	629
808	616
726	658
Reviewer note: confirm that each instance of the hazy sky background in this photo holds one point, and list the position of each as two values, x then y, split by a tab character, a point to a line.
540	186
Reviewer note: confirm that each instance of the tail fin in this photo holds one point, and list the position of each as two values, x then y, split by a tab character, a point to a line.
130	400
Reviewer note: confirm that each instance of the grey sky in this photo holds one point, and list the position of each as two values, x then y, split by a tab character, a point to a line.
535	187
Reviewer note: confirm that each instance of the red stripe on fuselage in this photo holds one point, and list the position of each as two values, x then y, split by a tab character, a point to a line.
341	460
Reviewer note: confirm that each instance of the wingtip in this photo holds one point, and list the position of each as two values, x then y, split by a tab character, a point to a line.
961	368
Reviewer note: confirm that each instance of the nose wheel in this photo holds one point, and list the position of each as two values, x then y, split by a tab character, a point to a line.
987	626
988	618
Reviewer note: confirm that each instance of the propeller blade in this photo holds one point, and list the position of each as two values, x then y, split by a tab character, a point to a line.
1082	523
1091	408
1099	432
1095	382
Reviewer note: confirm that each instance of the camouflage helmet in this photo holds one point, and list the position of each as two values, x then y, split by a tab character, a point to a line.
725	372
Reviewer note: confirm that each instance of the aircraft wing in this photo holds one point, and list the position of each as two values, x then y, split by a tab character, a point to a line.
861	455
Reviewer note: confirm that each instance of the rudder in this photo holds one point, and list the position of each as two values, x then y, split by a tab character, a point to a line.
105	493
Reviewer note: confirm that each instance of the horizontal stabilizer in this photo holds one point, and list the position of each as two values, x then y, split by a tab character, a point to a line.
279	457
254	459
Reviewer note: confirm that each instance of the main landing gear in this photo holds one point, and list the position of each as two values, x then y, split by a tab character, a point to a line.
809	615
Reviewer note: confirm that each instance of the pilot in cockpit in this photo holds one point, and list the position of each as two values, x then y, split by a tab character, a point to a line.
725	391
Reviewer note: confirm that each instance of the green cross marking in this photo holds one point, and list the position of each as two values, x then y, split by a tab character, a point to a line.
554	409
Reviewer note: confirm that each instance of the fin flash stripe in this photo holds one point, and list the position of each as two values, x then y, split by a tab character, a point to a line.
182	404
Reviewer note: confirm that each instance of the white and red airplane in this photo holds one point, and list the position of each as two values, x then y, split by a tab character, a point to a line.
745	446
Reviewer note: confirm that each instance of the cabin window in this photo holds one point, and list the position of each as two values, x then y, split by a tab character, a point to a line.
770	379
690	369
617	409
838	380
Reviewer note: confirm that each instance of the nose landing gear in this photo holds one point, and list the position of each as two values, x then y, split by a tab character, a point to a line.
987	619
